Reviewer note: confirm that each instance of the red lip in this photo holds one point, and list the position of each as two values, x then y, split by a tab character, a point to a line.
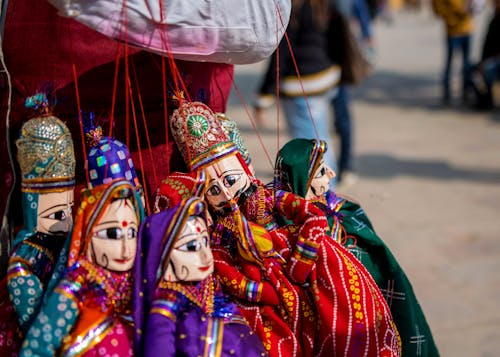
205	268
122	261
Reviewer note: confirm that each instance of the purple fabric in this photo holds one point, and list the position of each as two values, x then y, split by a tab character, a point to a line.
184	336
156	334
149	251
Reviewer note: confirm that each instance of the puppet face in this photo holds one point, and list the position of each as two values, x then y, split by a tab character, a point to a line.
191	258
54	212
320	183
114	237
227	179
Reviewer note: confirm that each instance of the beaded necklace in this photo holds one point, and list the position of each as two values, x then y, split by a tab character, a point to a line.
201	294
117	286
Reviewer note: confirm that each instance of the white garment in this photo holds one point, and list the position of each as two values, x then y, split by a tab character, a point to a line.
227	31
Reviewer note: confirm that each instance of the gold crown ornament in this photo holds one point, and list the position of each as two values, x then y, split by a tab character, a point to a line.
45	154
199	135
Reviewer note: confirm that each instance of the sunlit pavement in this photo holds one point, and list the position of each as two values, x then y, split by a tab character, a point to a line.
429	178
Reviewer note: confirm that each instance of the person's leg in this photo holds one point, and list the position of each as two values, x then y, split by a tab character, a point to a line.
362	14
450	44
300	124
343	126
465	42
491	73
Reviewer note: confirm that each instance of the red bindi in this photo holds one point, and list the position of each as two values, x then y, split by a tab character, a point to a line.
124	224
198	229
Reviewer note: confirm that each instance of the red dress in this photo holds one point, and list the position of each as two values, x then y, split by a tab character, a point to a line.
353	318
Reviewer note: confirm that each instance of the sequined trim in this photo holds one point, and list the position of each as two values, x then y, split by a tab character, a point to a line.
252	289
215	153
165	308
93	337
18	269
307	250
213	342
47	185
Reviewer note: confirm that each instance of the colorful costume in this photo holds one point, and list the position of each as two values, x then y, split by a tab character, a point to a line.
297	163
108	159
47	161
276	270
89	312
191	318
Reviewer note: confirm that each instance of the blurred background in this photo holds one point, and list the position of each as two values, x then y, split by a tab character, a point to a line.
426	172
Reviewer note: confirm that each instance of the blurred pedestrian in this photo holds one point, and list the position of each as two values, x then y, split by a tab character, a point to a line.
346	51
457	16
488	69
305	93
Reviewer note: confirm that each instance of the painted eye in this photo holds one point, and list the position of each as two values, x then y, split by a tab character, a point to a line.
230	180
59	215
214	190
321	172
204	241
109	233
132	233
191	246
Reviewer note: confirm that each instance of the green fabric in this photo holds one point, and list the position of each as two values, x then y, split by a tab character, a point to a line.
30	211
292	168
293	163
52	324
25	293
416	336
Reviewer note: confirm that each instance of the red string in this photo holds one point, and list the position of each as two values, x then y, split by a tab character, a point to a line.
127	98
178	83
278	103
77	93
115	83
298	75
141	163
143	115
254	126
165	109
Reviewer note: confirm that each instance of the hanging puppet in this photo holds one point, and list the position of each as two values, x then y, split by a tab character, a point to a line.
47	161
352	316
300	168
179	305
89	312
108	159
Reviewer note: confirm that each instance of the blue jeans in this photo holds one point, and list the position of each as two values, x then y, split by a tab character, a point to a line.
343	126
453	43
300	123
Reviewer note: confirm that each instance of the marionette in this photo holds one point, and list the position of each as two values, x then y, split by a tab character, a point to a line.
246	263
47	161
351	315
179	305
108	159
89	312
300	169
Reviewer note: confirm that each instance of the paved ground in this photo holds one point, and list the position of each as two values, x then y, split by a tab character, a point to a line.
429	180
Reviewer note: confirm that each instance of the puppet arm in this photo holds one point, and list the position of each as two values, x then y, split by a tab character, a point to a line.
54	322
237	284
312	225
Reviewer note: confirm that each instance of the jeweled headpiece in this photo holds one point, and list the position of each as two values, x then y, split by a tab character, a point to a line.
179	186
231	129
199	135
108	158
45	154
